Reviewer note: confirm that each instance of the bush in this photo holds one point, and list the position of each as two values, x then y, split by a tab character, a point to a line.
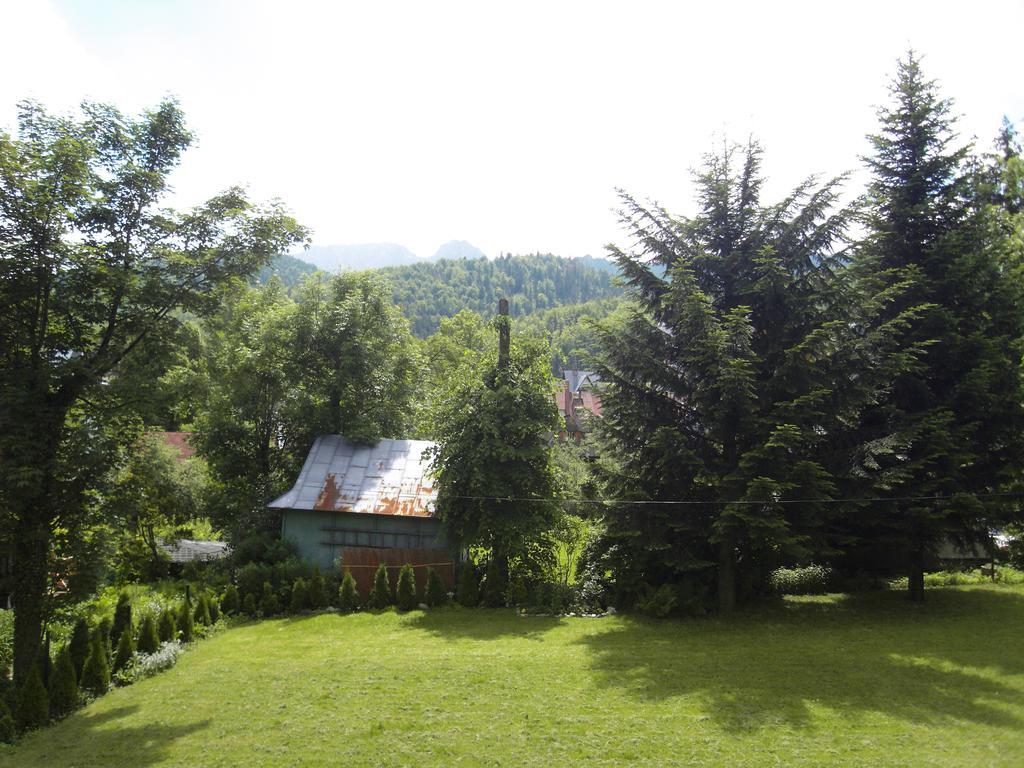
493	593
516	593
405	592
211	602
300	597
658	602
229	602
33	707
63	685
186	623
125	652
149	638
806	580
96	670
122	618
435	594
79	646
202	612
103	629
168	629
268	602
380	594
148	664
6	724
468	591
249	605
317	593
348	595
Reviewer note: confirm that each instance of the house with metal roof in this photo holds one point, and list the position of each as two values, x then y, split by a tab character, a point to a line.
349	499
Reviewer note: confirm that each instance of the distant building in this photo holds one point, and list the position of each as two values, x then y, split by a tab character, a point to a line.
360	505
577	402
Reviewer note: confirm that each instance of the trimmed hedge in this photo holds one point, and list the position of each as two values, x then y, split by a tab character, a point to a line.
405	592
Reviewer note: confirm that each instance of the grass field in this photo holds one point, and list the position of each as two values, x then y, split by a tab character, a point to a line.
835	680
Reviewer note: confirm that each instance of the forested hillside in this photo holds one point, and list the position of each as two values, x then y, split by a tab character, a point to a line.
428	292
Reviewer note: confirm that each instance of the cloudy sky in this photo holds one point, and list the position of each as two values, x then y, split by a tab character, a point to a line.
506	124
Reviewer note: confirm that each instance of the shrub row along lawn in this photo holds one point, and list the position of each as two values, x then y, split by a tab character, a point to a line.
826	680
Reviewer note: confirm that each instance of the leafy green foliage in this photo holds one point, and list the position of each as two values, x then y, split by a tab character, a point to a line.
804	580
317	590
468	589
380	594
168	627
202	611
149	638
405	590
435	594
125	652
63	693
299	597
185	622
122	618
229	602
249	605
88	236
432	291
78	647
7	729
348	595
33	704
269	604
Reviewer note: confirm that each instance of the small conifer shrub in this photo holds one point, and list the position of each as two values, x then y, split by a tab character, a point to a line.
104	630
268	602
249	605
168	628
348	595
317	592
96	670
468	592
229	602
149	638
6	723
79	646
202	612
125	651
436	594
33	705
186	624
405	591
63	685
380	593
300	596
122	618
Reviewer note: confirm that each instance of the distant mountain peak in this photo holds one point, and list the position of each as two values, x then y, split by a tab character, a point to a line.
458	249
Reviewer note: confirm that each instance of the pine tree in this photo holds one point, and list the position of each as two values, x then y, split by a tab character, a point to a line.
63	685
317	591
268	602
214	607
186	623
380	594
229	603
202	611
737	384
249	605
103	629
149	638
122	617
96	670
79	646
125	652
468	592
33	706
168	629
405	591
436	594
348	595
960	411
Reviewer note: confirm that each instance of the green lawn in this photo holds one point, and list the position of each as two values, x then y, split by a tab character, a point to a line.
866	680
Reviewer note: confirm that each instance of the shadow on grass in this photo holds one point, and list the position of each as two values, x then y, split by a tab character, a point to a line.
98	740
940	662
482	623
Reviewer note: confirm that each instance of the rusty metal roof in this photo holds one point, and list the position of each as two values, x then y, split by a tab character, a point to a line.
389	478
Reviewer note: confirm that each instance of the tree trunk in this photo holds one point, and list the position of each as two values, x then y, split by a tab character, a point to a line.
915	571
727	574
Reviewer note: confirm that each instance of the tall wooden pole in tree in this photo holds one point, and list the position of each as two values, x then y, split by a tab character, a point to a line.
503	335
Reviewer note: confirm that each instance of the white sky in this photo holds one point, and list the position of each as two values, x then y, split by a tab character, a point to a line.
508	125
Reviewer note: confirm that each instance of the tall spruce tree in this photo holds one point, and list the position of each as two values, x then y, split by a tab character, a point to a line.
960	411
737	384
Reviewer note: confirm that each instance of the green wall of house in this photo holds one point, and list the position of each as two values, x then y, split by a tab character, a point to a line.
320	536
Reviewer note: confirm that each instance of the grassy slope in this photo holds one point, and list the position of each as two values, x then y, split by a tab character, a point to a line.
836	681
